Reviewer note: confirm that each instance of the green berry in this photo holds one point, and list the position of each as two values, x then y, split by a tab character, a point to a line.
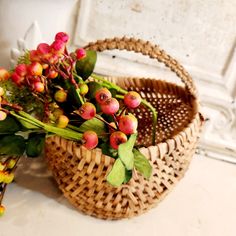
83	89
2	210
8	178
60	95
62	121
11	163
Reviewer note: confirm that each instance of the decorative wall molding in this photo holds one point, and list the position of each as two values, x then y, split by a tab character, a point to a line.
212	64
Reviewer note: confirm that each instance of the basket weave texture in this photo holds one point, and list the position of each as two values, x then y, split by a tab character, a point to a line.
81	173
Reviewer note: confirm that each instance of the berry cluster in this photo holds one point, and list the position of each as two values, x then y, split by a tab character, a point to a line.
6	177
123	124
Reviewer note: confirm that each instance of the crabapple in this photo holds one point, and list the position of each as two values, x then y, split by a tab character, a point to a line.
110	106
87	111
83	89
128	124
21	70
35	69
34	56
52	74
80	53
90	139
60	95
43	48
57	112
132	99
64	37
17	79
8	178
58	46
1	91
38	87
102	95
4	74
3	115
2	210
11	163
117	138
62	121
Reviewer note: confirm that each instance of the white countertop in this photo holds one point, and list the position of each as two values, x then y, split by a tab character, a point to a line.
202	204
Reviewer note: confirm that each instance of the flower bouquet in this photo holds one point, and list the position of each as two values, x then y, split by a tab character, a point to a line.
115	146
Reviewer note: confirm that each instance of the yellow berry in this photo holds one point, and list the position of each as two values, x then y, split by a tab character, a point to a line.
11	163
8	178
2	210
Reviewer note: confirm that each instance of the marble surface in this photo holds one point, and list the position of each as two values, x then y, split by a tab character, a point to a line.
202	204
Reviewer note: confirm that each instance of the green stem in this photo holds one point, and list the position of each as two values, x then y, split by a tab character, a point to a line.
109	84
65	133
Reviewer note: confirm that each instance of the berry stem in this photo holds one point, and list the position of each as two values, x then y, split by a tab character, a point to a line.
4	186
101	119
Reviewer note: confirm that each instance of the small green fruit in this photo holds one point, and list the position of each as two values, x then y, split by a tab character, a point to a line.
8	178
83	89
60	95
62	121
2	210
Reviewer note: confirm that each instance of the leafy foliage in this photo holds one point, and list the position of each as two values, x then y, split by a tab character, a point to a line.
125	152
12	145
142	164
85	66
9	126
35	144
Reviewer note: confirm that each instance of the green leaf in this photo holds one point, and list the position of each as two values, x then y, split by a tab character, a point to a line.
85	66
108	150
142	164
9	126
12	145
93	124
128	176
117	175
93	87
35	144
125	152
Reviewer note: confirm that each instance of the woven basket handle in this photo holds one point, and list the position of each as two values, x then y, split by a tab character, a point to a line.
146	48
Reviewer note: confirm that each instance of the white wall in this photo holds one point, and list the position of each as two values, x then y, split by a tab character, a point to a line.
201	34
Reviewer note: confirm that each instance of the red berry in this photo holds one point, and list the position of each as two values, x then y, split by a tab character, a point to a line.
90	139
64	37
3	115
58	46
87	111
38	87
80	53
4	74
102	95
62	121
128	124
60	95
35	69
117	138
132	99
21	70
2	210
34	56
110	106
52	74
43	48
16	78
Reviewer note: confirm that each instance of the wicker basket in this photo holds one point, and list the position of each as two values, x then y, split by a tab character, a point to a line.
81	174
